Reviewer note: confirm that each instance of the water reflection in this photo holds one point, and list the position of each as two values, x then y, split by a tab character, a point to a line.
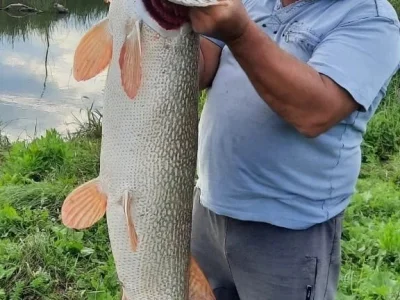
37	90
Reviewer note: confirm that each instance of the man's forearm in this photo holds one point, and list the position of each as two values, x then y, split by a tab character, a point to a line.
202	77
309	101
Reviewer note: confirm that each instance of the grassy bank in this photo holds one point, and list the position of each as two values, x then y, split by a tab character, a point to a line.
41	259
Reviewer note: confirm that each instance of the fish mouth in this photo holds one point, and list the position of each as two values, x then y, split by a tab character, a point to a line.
168	15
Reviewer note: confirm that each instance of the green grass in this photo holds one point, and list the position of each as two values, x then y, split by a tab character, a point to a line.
39	257
383	135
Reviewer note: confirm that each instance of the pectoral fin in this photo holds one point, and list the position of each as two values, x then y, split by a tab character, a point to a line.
127	201
84	206
94	52
130	62
124	297
199	287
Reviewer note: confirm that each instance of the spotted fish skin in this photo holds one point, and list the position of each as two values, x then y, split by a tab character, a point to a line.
148	152
149	148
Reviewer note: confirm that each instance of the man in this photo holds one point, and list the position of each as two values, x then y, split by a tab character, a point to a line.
292	86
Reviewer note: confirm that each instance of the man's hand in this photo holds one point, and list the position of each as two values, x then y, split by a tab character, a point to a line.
226	22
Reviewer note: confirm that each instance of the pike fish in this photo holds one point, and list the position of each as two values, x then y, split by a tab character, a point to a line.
149	146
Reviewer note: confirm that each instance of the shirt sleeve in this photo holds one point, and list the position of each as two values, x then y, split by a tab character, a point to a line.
219	43
361	56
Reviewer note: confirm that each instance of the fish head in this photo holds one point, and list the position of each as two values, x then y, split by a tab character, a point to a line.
169	17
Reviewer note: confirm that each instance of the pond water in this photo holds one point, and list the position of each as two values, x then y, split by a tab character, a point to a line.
37	89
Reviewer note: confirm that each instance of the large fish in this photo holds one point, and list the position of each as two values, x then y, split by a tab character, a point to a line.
149	146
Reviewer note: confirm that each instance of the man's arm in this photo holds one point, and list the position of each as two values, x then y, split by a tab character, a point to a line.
311	102
300	92
209	61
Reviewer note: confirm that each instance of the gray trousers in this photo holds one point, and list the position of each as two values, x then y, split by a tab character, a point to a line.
258	261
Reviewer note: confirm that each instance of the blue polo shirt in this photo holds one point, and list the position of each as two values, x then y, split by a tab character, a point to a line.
252	165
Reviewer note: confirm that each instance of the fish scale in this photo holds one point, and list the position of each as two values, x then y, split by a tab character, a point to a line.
158	123
148	152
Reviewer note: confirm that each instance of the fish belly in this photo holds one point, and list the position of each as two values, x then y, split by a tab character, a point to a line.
148	156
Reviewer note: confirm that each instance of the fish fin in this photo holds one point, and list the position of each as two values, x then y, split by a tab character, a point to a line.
84	206
199	287
130	62
94	51
222	3
124	297
128	217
